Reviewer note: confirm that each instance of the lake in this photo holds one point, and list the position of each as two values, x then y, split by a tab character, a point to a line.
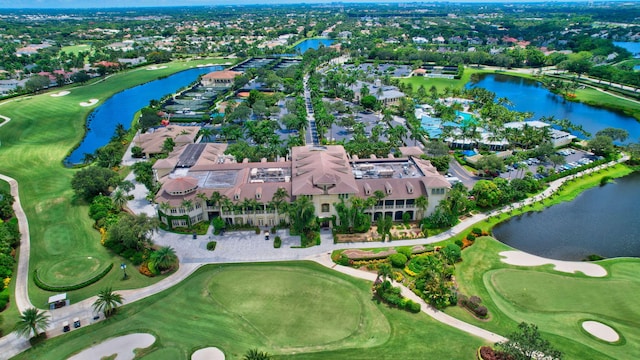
530	96
632	47
312	44
121	107
603	221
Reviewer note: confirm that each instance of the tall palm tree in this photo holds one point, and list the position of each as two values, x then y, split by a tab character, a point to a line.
203	197
422	203
164	207
206	133
384	272
107	302
278	201
119	199
164	258
255	354
32	322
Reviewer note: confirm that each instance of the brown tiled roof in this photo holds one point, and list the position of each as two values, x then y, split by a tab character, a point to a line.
180	184
151	143
223	74
168	163
407	151
317	166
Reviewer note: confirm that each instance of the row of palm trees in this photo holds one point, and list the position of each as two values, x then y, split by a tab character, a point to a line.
247	206
33	322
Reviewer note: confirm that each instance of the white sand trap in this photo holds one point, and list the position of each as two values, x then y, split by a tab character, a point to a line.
153	67
89	103
210	353
122	346
61	93
520	258
206	65
601	331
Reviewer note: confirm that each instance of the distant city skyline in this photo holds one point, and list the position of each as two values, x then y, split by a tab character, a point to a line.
88	4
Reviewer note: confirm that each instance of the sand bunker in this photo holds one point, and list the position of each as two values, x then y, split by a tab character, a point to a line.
210	353
122	346
153	67
206	65
61	93
89	103
601	331
520	258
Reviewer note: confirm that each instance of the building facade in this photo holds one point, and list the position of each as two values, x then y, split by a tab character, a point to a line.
255	193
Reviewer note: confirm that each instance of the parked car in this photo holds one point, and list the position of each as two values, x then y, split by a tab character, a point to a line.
66	327
76	323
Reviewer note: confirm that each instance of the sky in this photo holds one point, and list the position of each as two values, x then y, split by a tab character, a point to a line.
62	4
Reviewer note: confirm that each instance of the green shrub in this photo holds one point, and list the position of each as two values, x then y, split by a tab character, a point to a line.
39	283
398	260
211	245
471	237
405	250
459	242
257	230
476	231
412	306
344	260
4	299
277	242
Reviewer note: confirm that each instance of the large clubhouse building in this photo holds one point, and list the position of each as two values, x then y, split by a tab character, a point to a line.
199	182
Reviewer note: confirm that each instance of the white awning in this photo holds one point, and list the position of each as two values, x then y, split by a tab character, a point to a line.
56	298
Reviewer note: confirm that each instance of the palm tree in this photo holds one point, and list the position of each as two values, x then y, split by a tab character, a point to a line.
206	133
378	195
384	272
32	322
164	207
254	354
278	201
422	203
164	258
107	302
119	198
203	197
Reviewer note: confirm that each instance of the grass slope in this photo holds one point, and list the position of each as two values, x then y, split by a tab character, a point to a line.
557	302
43	130
291	310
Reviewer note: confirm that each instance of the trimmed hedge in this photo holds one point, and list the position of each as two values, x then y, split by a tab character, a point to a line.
211	245
44	286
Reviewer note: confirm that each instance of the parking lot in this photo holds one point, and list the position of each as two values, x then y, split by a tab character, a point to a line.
573	158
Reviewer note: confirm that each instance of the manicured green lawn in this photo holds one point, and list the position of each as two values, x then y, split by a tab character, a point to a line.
291	310
598	98
43	130
74	49
441	84
557	302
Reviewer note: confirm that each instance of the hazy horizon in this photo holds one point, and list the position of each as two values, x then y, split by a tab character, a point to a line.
89	4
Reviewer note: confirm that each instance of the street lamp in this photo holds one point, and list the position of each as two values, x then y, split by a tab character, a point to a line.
123	266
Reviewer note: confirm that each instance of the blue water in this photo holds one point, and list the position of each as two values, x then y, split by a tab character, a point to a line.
632	47
603	220
468	152
120	108
636	68
530	96
312	44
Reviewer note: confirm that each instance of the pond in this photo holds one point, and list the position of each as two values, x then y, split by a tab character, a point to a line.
528	95
121	107
603	221
632	47
312	44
